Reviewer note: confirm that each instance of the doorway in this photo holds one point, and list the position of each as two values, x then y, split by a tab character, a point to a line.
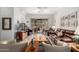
39	23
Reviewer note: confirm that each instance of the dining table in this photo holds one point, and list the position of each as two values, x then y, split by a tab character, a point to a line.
34	47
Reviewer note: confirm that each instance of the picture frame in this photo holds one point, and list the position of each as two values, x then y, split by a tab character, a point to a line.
27	21
67	21
74	19
6	23
62	18
73	15
22	26
67	17
62	21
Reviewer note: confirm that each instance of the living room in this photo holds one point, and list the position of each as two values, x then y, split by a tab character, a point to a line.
37	26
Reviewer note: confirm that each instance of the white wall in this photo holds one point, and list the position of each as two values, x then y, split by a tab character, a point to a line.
63	12
6	12
18	15
0	27
51	20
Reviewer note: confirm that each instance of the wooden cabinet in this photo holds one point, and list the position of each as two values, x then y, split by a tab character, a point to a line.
21	35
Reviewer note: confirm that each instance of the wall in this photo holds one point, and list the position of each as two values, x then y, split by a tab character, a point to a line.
6	34
50	18
0	26
18	15
63	12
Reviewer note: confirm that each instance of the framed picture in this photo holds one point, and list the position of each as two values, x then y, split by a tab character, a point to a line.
62	21
27	21
73	15
67	20
74	21
22	26
6	23
67	17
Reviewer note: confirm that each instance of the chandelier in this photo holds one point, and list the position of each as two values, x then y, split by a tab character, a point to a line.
41	9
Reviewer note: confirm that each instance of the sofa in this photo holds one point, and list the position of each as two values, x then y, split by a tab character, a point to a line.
55	48
12	46
58	47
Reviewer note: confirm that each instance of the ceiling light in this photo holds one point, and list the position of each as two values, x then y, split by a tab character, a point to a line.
41	9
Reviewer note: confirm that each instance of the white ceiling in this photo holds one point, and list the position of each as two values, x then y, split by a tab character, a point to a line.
39	10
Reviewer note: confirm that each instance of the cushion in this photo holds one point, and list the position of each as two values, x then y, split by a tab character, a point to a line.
60	43
53	40
59	34
48	42
7	41
67	39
